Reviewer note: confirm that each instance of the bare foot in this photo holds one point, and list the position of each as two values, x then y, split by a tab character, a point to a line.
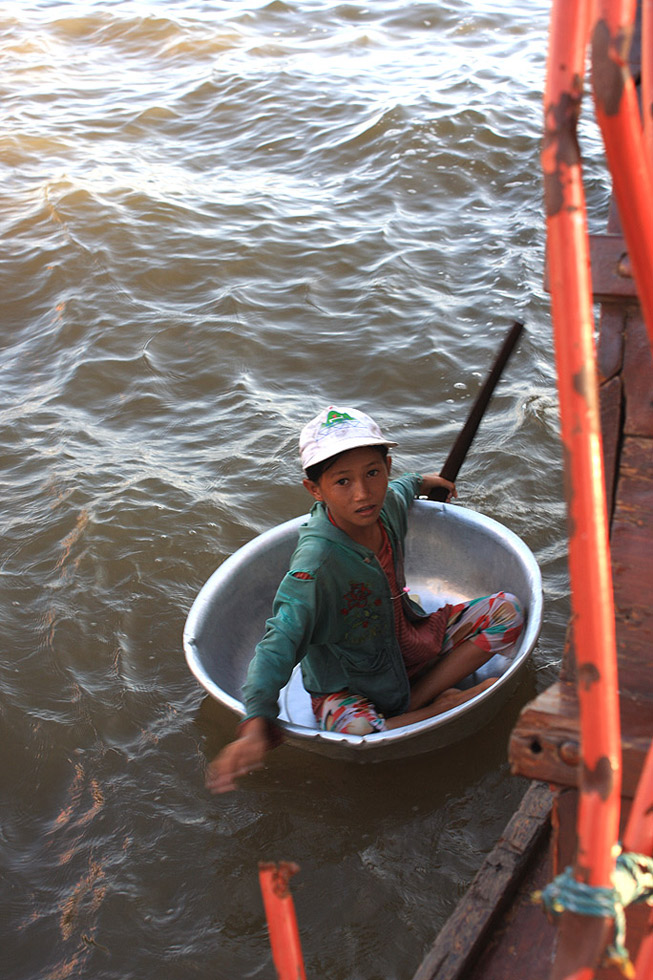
452	697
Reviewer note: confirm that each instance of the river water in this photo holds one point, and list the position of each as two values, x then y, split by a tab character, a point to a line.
216	218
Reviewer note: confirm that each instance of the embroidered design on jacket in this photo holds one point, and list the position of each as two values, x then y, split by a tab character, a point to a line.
360	612
356	598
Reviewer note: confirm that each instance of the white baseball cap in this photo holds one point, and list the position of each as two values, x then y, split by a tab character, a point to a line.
335	430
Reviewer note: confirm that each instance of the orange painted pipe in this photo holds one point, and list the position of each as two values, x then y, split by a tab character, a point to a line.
589	553
282	922
647	76
638	835
618	115
629	148
638	838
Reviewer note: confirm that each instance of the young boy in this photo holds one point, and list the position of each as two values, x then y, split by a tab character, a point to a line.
371	658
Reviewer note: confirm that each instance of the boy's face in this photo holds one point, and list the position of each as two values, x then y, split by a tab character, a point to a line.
353	488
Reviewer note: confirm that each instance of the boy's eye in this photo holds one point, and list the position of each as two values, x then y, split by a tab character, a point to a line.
374	472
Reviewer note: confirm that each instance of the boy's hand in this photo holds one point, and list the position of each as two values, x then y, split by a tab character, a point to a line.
240	757
433	481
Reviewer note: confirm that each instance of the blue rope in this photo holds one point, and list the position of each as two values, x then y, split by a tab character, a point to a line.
632	882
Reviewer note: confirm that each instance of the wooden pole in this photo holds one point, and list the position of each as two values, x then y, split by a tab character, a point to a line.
460	447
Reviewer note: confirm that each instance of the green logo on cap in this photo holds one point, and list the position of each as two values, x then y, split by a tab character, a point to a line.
334	417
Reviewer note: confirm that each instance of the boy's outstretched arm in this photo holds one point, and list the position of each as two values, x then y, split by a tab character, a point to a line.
240	757
433	481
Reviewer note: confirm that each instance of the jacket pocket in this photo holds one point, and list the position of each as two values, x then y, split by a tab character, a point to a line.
364	662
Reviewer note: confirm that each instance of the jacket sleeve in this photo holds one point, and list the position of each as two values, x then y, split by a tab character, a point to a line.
406	487
400	495
287	636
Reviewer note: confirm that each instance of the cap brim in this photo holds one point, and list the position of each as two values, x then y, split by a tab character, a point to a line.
345	445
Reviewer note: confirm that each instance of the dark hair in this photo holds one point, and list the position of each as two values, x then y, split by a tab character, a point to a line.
313	473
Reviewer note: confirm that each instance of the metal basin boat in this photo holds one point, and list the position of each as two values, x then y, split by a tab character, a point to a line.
452	554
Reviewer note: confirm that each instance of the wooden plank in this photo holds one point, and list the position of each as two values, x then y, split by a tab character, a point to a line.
461	940
610	356
612	277
610	402
545	742
631	567
638	378
523	942
610	344
564	818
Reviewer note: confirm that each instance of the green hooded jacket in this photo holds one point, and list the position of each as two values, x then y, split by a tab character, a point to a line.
337	618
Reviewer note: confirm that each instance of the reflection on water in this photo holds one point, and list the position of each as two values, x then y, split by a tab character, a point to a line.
215	219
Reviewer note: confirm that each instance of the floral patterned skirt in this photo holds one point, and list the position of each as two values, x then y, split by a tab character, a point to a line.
492	622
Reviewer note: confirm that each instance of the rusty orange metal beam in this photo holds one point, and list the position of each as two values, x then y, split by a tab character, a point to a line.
589	554
647	76
618	115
